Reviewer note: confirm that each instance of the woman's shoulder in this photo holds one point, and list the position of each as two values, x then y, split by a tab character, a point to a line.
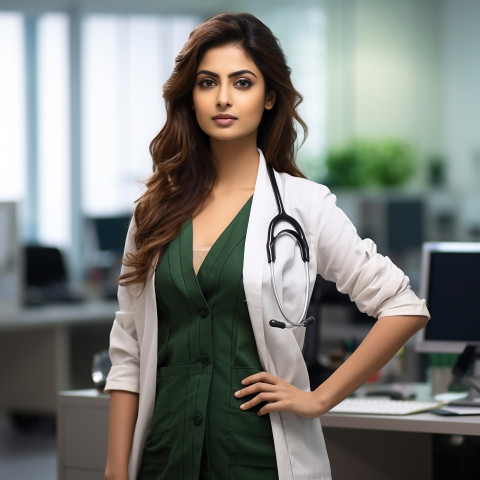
304	187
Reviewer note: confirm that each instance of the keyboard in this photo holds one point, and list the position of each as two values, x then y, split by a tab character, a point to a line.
384	406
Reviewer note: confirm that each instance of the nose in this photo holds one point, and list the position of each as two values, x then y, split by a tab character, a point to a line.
223	97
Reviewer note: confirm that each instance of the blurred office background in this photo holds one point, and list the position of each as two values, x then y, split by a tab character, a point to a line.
385	83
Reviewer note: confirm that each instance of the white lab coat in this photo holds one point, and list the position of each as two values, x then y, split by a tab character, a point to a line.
336	252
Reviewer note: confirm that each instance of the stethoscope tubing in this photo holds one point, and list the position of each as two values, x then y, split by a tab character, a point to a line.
301	322
298	235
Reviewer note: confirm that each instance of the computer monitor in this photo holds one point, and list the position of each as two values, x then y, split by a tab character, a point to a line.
111	232
450	283
108	235
46	277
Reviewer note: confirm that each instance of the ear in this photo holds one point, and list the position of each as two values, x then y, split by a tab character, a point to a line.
270	99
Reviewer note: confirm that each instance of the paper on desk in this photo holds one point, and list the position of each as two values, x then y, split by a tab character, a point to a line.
461	410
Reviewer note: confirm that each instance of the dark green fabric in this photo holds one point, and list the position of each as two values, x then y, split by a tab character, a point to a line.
206	347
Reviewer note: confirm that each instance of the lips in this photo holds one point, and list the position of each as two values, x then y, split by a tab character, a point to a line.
225	116
224	119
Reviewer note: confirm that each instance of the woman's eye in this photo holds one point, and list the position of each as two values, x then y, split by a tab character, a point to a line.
206	82
243	83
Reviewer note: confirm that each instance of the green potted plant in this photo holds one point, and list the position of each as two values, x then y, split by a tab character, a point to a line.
365	163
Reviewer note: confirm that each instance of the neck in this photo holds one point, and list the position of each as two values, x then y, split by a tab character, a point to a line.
236	165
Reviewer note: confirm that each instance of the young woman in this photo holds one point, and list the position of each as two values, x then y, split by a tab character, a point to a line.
202	386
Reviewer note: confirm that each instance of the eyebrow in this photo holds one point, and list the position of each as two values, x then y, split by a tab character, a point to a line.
230	75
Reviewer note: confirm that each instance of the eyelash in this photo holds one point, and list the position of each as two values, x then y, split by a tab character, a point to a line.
204	81
245	80
208	83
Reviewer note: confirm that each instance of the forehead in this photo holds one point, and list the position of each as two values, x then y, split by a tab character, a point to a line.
228	58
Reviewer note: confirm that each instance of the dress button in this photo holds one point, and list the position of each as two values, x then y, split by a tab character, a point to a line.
205	359
203	312
197	418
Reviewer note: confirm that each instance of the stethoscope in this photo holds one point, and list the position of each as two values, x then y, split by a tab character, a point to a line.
298	234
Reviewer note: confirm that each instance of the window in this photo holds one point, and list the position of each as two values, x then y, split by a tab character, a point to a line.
306	52
125	61
53	120
13	110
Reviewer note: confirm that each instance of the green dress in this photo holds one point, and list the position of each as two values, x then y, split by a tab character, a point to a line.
206	347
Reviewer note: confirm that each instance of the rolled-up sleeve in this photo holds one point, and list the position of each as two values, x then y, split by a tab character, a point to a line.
377	286
124	354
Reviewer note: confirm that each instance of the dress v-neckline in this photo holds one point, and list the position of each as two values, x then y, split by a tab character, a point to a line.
220	239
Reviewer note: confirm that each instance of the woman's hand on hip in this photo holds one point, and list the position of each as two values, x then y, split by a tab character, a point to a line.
280	395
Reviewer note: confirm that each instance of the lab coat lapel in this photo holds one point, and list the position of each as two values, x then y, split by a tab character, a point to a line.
255	258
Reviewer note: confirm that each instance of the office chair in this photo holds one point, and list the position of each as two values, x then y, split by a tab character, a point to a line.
45	277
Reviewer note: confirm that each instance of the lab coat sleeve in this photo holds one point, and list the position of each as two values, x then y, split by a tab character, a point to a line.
124	348
372	281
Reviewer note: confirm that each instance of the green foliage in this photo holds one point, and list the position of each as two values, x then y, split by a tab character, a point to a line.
364	163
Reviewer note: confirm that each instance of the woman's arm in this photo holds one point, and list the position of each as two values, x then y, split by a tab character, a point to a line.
382	342
121	423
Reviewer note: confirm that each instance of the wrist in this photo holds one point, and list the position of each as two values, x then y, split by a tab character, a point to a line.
116	472
321	402
109	475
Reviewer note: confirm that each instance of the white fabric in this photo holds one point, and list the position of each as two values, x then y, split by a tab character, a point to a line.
377	286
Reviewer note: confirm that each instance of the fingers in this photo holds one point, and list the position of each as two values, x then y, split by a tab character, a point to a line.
260	377
272	407
279	396
261	397
255	388
267	386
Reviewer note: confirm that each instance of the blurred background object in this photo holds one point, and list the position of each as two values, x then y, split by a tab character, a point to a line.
368	163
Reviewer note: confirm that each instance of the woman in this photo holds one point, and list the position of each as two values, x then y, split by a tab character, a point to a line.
201	385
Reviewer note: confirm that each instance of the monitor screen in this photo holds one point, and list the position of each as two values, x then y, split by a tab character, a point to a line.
111	232
450	283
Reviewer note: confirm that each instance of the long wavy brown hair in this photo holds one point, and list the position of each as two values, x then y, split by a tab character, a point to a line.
183	172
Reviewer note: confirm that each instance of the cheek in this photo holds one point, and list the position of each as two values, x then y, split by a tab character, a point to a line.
258	105
196	104
199	108
256	112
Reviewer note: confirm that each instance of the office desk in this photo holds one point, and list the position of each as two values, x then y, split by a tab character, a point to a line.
82	434
382	447
49	348
360	447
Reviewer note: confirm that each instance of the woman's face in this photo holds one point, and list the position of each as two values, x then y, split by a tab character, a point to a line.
229	96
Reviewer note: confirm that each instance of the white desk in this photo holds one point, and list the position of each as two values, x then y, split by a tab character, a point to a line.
82	434
382	447
60	315
360	447
49	348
